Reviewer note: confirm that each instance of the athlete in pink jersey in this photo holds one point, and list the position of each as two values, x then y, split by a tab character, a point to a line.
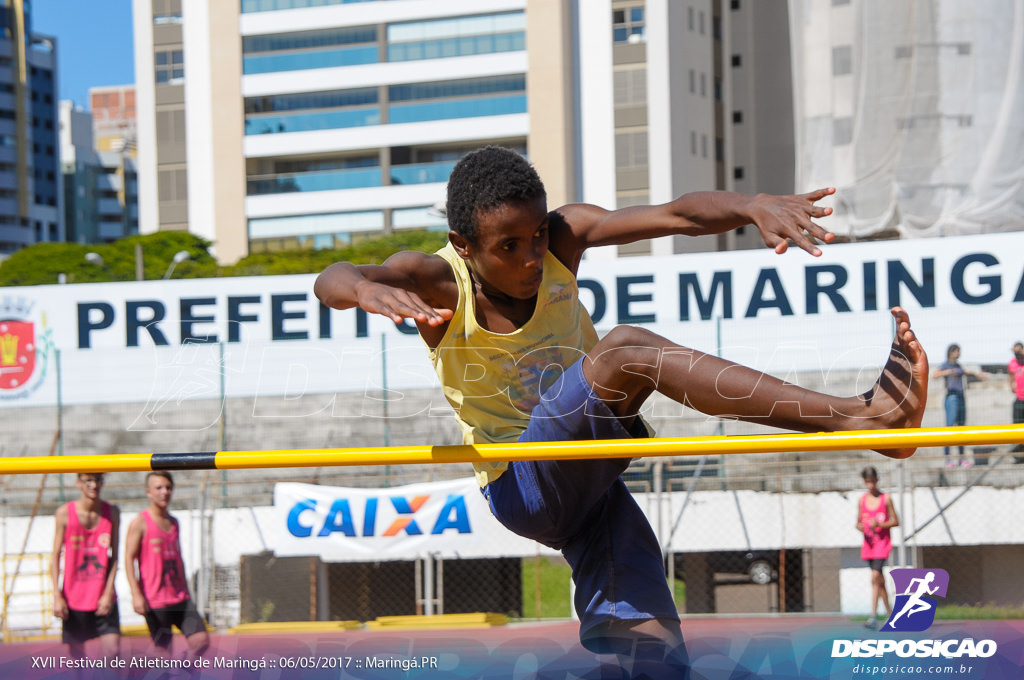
159	588
875	517
1015	369
86	533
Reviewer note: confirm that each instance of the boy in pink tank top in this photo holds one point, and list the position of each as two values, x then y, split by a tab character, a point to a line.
159	588
876	516
86	533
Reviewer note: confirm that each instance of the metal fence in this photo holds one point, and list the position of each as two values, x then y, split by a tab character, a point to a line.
751	533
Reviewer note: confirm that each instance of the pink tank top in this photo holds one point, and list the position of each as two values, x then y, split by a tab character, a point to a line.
160	567
86	559
877	542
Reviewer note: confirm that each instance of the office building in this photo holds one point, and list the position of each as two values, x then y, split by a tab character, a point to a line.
113	118
311	126
100	186
277	124
30	182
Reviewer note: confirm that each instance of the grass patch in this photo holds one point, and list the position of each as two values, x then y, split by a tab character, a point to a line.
679	592
979	612
555	576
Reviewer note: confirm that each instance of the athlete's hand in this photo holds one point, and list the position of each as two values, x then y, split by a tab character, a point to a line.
60	606
398	304
782	219
139	604
105	604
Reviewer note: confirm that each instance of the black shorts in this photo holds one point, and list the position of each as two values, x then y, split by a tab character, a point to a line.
877	564
80	627
183	615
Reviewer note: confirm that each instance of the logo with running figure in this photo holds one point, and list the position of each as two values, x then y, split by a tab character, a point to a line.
914	608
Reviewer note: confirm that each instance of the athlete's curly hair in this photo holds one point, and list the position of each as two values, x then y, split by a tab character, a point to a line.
486	179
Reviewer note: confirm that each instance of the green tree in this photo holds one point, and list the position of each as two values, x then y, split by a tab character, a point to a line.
43	263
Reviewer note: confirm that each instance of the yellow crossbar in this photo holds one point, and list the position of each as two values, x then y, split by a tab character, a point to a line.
479	453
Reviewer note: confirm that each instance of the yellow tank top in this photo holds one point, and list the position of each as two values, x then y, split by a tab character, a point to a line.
493	380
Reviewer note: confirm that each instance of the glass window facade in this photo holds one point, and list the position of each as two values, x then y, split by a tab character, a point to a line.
413	218
272	5
330	230
169	66
464	108
304	122
628	24
410	165
309	50
421	173
282	42
353	173
314	181
167	12
44	159
406	41
311	111
458	88
311	100
333	230
409	103
305	60
457	36
457	99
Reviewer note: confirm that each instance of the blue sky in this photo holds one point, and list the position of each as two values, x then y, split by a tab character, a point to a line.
94	43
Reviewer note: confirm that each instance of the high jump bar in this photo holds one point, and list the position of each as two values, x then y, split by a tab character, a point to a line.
480	453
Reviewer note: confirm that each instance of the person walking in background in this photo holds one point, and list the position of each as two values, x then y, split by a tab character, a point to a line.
1016	370
956	405
159	589
86	531
875	517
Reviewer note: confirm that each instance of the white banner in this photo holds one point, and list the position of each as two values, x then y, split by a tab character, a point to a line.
166	341
446	519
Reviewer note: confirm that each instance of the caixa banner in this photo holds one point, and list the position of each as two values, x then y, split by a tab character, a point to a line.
448	519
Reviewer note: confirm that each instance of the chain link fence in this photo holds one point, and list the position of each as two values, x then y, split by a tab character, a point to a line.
752	533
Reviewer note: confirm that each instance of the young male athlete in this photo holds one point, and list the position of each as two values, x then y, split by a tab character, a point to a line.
87	533
159	589
519	360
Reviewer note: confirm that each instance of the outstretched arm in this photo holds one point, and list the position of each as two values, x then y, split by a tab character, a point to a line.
408	285
780	219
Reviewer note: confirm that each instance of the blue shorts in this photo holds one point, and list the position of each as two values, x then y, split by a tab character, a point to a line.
582	507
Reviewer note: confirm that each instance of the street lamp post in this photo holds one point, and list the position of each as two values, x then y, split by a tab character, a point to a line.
179	257
96	259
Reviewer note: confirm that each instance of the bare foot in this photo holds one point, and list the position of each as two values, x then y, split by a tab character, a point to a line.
898	399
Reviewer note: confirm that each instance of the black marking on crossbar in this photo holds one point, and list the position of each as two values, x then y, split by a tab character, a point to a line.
200	460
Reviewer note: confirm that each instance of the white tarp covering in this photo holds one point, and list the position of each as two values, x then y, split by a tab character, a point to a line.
914	111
